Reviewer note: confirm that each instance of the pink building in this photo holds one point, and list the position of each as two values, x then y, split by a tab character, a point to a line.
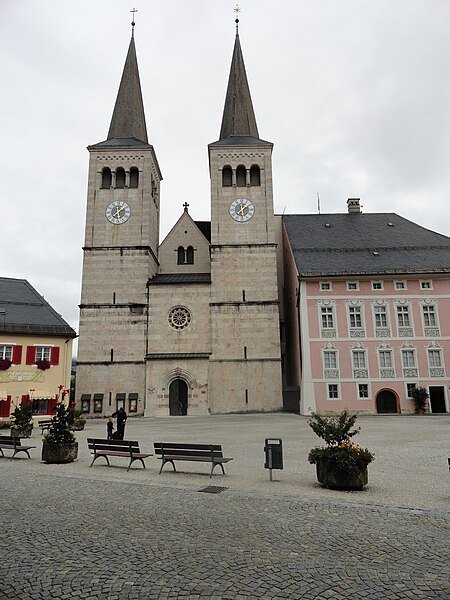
366	312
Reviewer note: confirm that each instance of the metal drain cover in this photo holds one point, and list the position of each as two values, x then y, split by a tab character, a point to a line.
213	489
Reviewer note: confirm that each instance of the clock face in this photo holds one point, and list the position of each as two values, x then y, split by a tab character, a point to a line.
118	212
242	210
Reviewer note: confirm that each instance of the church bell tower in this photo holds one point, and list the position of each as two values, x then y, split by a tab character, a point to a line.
119	255
245	361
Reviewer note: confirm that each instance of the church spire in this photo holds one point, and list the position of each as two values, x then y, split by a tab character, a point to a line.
238	116
128	120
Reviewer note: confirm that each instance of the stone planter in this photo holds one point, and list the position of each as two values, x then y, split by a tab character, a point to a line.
21	433
332	477
78	425
59	453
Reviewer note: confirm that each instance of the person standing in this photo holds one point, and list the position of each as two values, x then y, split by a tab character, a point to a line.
121	419
109	428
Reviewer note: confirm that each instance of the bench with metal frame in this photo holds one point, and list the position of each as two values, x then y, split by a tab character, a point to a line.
171	452
105	448
13	443
45	425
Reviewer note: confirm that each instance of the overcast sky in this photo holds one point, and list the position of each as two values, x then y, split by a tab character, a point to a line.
354	94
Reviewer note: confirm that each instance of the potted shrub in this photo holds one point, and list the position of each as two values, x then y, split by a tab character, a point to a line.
59	444
420	396
79	420
22	421
340	464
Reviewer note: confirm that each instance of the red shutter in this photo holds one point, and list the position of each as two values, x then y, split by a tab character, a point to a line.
26	399
54	355
17	355
31	355
5	407
52	406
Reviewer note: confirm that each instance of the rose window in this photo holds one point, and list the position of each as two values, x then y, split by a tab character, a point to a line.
179	317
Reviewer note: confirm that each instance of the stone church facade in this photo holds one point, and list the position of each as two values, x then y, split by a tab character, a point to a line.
251	311
190	326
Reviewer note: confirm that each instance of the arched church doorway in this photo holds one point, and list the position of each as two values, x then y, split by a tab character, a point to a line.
386	402
178	397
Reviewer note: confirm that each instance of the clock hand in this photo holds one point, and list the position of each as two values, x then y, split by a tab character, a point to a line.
241	210
118	211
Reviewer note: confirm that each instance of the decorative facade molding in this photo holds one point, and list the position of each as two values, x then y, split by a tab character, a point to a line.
360	373
387	373
379	333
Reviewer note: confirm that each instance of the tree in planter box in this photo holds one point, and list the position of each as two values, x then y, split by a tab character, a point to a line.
59	444
22	420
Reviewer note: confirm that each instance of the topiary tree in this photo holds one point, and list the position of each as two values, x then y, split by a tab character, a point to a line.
334	430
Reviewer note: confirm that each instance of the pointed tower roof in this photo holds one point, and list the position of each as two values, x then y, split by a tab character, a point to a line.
128	120
238	122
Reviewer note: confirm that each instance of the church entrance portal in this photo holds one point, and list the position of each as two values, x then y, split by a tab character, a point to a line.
178	398
386	402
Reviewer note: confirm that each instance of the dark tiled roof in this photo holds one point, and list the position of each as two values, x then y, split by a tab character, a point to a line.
121	142
241	140
205	228
365	243
26	311
184	278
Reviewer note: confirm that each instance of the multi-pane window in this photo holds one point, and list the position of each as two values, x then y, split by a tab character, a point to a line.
408	359
352	285
434	357
333	391
6	352
359	359
429	315
354	313
42	353
426	285
363	390
400	285
403	316
325	286
410	387
327	317
329	359
380	317
377	285
385	359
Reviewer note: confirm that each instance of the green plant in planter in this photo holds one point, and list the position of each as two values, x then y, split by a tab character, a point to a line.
59	444
22	420
341	463
79	420
420	396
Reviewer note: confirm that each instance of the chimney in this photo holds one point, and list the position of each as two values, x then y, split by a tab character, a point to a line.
353	205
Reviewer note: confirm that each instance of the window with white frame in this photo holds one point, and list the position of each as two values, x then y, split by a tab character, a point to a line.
352	285
377	285
6	352
403	316
325	286
381	321
408	359
385	358
363	390
426	285
429	315
330	359
434	357
327	317
333	391
355	318
400	285
42	353
359	359
410	387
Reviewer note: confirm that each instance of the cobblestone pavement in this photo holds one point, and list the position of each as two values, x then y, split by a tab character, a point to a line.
83	535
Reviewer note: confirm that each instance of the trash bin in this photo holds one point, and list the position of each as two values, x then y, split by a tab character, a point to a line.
273	449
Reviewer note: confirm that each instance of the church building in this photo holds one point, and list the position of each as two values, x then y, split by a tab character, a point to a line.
252	311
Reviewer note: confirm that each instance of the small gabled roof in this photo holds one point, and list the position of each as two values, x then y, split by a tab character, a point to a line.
364	243
24	311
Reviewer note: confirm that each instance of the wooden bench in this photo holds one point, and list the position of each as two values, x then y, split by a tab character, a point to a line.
170	452
107	448
13	443
44	425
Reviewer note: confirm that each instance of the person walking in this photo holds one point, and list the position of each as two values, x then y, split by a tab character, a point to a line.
121	419
110	428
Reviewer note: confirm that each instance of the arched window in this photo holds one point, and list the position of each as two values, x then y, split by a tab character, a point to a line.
255	175
120	177
241	176
134	177
181	257
190	255
106	178
227	177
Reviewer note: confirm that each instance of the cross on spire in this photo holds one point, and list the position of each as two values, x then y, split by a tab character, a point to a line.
186	206
237	10
132	22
